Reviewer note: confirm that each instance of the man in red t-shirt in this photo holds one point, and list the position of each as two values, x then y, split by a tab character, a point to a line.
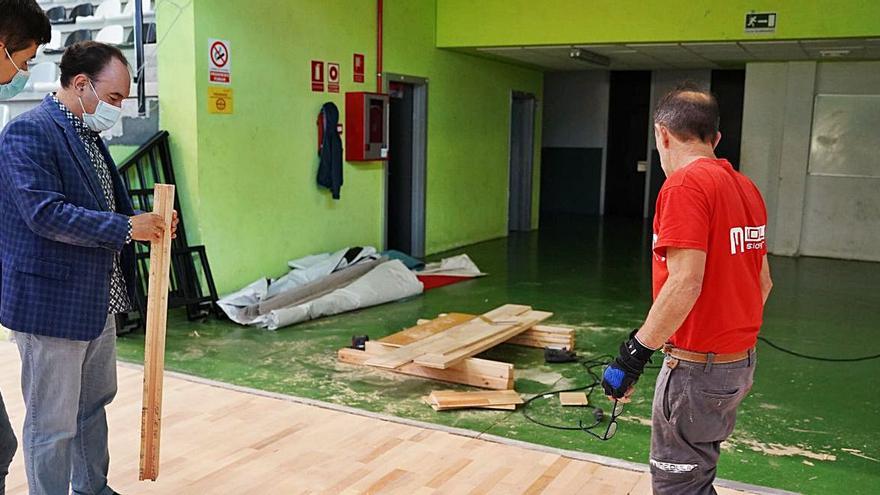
711	279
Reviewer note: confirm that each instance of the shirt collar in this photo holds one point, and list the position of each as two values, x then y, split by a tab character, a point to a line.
81	128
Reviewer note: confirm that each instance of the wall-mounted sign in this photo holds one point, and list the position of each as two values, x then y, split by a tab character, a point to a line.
317	75
219	62
359	68
761	22
219	100
332	77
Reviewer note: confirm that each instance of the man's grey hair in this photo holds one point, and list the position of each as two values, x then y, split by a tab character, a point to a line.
689	112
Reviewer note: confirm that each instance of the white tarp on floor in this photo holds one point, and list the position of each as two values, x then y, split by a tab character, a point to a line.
322	285
461	265
388	282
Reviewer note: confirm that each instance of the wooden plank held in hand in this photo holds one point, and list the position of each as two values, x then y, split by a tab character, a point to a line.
154	351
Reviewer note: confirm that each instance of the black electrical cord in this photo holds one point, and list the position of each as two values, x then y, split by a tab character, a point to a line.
589	365
604	360
816	358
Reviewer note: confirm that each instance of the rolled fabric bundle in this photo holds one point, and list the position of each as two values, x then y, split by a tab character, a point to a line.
315	289
390	281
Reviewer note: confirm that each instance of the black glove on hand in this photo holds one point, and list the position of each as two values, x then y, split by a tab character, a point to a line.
626	369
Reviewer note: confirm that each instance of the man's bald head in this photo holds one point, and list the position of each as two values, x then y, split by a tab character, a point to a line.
689	113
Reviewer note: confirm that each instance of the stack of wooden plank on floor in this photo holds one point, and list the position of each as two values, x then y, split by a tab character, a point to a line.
444	348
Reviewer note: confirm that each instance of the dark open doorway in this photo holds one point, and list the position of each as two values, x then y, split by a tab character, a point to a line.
406	168
729	87
522	157
628	113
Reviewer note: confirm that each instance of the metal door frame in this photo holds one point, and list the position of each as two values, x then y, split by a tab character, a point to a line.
529	177
419	161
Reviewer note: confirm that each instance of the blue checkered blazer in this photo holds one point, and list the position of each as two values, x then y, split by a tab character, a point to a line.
58	236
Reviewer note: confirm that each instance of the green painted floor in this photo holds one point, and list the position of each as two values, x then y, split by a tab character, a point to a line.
808	426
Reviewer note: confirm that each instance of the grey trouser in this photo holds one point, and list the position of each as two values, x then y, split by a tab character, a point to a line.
66	386
694	411
8	445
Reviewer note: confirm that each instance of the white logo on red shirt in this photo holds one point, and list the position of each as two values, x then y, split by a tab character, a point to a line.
746	238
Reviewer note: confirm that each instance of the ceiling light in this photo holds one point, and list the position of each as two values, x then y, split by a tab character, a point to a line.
832	53
589	57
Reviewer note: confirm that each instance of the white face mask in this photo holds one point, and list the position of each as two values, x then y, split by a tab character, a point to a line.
105	116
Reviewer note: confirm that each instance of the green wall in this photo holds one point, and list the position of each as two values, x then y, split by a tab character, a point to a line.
248	179
177	85
120	152
468	128
466	23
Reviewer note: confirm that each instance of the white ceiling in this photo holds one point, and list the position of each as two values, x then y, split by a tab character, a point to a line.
691	55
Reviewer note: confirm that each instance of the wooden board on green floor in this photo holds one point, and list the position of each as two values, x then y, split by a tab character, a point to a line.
501	319
424	330
448	399
482	336
539	336
573	398
475	372
505	407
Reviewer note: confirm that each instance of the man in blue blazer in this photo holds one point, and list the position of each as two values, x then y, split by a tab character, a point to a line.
67	267
23	27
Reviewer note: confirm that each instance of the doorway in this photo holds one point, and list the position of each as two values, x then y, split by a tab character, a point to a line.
729	89
406	166
522	153
628	112
728	86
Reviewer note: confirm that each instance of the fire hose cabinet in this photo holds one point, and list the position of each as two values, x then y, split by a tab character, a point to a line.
366	123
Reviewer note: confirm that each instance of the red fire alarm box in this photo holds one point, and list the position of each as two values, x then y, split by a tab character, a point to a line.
366	121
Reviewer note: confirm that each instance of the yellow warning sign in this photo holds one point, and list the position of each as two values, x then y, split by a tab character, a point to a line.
219	100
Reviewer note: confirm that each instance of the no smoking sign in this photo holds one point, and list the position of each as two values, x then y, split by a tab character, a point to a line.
219	62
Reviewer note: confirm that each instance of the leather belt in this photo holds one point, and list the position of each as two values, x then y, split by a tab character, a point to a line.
701	357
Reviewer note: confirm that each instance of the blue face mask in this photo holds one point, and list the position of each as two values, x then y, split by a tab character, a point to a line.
18	82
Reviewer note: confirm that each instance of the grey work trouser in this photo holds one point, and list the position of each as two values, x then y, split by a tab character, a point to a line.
694	411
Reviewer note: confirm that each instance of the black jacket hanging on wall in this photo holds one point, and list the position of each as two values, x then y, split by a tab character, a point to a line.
330	167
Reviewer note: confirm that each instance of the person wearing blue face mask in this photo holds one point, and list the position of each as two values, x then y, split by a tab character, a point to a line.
18	82
66	231
23	27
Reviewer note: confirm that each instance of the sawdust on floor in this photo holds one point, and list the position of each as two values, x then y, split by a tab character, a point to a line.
859	453
638	420
537	375
776	449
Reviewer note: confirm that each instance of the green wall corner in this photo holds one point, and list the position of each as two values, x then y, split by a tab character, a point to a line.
248	180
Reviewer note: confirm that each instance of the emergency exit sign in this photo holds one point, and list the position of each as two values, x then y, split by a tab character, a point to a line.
761	22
